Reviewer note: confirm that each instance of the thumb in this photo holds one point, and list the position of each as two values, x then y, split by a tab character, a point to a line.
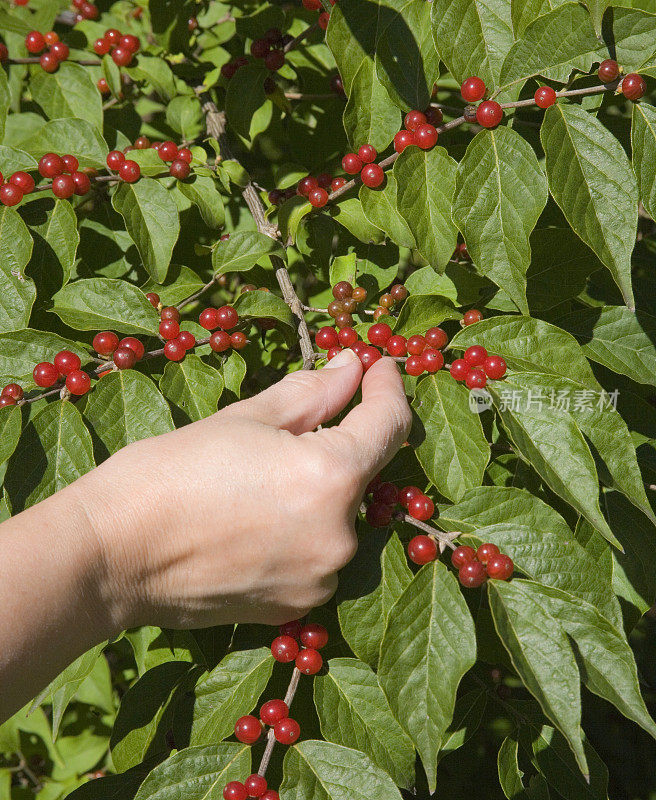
307	398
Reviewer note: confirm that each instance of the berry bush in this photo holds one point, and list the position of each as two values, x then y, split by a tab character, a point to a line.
198	197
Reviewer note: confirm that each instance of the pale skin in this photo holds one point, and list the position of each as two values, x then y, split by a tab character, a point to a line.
246	516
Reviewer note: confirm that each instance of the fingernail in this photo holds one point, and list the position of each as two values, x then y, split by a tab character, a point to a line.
345	357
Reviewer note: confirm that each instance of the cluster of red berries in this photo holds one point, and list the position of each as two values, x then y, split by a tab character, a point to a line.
423	352
225	319
57	52
476	566
346	302
67	179
388	301
476	366
180	158
371	174
489	113
123	47
316	5
124	352
420	129
65	365
386	496
286	648
128	170
269	47
11	394
254	786
85	10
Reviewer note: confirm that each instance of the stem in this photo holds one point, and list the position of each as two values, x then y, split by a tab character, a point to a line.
92	62
271	739
301	37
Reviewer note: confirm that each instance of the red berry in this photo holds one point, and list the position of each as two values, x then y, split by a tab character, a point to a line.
121	57
153	299
489	114
318	197
209	319
35	42
284	649
186	339
259	48
472	574
432	360
413	119
45	374
342	290
609	70
312	5
397	345
287	731
369	356
332	352
273	711
472	316
60	51
403	139
459	369
416	345
426	136
337	183
168	151
66	362
103	86
13	390
367	153
475	378
386	493
472	89
347	337
407	493
379	515
248	729
274	60
326	338
78	382
185	154
63	186
89	11
372	175
82	183
4	52
324	19
51	165
238	340
306	185
379	334
462	555
220	341
475	355
544	97
130	42
422	549
270	794
324	180
414	366
134	345
5	400
313	635
129	171
170	312
309	661
500	567
114	159
292	628
174	350
179	169
436	337
113	36
421	507
124	358
23	181
101	47
434	115
169	329
234	791
105	343
10	195
227	317
495	367
228	70
486	551
255	785
351	164
634	86
358	347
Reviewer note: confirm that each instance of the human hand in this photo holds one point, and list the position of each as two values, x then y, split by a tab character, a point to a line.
248	515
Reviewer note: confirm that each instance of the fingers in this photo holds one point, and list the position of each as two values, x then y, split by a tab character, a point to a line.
379	425
305	399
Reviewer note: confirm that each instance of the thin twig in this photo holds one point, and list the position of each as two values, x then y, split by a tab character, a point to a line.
91	62
301	36
271	739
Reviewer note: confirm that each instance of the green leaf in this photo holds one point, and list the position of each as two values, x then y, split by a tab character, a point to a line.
633	35
54	450
244	96
534	54
510	775
500	194
370	117
643	147
315	770
467	718
203	193
53	224
94	304
193	386
426	183
362	617
144	715
17	292
126	406
157	73
184	115
5	102
472	37
290	215
112	74
529	345
234	372
591	179
151	219
354	712
609	665
10	431
69	136
68	92
21	350
453	451
12	159
266	305
542	656
379	207
182	282
197	773
429	645
229	691
423	311
242	251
